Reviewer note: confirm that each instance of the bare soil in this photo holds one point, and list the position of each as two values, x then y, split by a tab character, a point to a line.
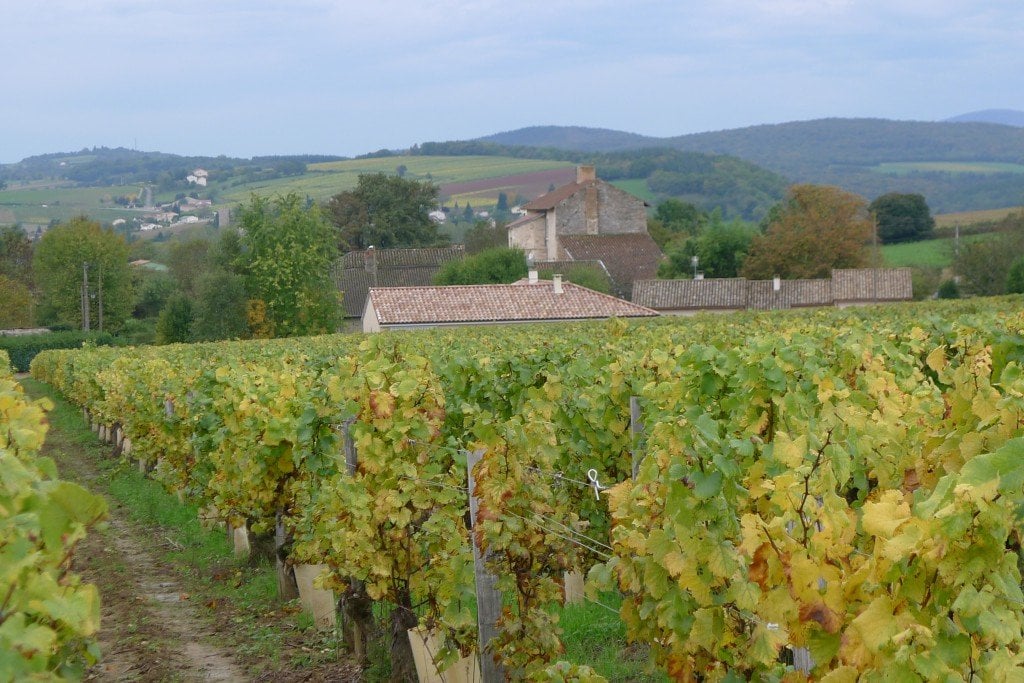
162	622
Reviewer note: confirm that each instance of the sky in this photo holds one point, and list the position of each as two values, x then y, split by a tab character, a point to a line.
256	77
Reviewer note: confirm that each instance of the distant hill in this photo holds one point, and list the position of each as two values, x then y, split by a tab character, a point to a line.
849	153
119	166
1006	117
577	138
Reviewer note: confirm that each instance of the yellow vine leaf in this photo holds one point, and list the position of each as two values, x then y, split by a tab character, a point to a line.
884	517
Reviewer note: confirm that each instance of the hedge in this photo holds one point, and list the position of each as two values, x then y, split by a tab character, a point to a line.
23	348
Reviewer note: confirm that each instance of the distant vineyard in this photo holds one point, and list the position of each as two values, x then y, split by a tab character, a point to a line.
836	493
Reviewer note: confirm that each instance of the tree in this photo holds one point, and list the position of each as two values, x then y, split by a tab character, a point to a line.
16	309
1015	278
78	253
502	205
491	266
188	260
720	250
468	214
675	221
288	249
220	310
584	275
484	236
817	228
154	290
984	265
175	322
902	218
385	212
15	254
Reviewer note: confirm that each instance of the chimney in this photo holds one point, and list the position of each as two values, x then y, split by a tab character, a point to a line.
776	283
370	260
585	173
532	275
556	282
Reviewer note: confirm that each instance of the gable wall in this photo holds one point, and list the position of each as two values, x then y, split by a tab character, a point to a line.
601	209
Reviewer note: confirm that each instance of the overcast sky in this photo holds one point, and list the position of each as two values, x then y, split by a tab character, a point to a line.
252	77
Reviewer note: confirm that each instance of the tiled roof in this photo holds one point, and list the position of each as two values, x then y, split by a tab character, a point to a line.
799	293
548	201
846	286
627	257
496	303
730	294
872	284
762	296
402	258
523	220
360	270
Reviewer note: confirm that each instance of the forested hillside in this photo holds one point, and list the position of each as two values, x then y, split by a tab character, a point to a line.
957	166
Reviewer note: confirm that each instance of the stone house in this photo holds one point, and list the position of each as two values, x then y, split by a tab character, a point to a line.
591	220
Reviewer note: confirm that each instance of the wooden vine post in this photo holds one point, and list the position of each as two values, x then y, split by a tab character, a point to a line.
488	598
354	605
636	427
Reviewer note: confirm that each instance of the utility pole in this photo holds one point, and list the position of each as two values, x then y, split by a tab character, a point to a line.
85	296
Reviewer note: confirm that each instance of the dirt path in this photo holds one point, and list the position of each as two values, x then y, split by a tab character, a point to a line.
150	630
155	624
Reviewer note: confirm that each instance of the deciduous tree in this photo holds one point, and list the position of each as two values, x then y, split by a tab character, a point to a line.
385	211
902	218
984	265
79	251
817	228
188	260
15	254
16	308
491	266
175	322
288	250
720	250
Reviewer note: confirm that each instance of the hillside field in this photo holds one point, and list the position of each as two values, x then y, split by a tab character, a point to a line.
907	167
322	181
40	203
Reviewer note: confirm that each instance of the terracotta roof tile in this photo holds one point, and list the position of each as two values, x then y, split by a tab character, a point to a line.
496	303
712	294
550	200
799	293
846	286
762	296
872	284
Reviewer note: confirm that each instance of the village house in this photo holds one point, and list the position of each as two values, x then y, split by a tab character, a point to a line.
847	287
529	300
589	220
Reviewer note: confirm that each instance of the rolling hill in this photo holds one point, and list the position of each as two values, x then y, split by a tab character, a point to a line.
845	152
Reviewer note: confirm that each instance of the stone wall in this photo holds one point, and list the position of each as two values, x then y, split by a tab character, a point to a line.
617	212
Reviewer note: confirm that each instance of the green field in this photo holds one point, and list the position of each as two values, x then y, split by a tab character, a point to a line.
41	204
936	253
907	167
638	188
948	221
